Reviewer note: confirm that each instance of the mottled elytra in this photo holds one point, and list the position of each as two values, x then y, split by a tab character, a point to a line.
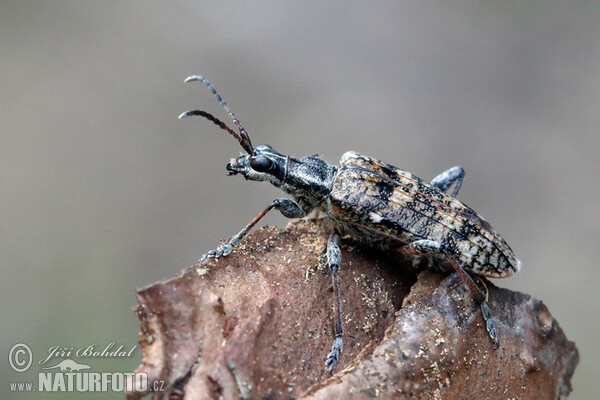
376	204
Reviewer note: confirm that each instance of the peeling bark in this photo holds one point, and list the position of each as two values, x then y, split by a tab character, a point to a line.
258	324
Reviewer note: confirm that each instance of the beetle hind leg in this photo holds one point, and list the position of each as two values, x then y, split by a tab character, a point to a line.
481	297
334	259
450	180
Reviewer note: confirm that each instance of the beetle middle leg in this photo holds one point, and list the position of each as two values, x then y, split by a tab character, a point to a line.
334	259
450	180
287	207
479	295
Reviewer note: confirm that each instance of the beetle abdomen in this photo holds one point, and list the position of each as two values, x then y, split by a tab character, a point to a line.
372	200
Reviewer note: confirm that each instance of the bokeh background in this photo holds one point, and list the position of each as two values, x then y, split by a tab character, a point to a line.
104	191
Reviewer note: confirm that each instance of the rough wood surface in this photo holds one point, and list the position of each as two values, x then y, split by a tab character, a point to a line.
258	325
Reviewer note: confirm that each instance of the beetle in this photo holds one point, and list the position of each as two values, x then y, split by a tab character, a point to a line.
376	204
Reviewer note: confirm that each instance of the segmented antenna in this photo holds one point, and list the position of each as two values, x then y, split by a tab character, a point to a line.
215	120
243	137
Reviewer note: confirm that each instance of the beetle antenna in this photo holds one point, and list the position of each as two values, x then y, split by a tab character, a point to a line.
215	120
245	138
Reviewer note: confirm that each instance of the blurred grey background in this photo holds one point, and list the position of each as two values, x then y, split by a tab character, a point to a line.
104	191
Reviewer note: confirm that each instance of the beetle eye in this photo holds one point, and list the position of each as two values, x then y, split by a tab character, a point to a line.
261	164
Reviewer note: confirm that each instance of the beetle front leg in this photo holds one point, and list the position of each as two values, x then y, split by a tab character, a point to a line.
448	178
287	207
480	297
334	259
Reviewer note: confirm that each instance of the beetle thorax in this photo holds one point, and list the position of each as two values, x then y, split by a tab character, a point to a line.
309	180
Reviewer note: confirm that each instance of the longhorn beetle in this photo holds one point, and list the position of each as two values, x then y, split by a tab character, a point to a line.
376	204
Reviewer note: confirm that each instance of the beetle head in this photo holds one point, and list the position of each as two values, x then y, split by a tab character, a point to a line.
263	164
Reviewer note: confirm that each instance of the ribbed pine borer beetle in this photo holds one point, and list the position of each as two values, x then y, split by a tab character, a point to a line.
376	204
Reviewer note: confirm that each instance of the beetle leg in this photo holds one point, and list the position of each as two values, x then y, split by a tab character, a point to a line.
450	180
289	208
426	246
334	259
432	246
481	298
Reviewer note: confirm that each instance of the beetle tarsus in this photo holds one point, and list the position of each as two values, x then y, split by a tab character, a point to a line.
489	324
221	251
334	356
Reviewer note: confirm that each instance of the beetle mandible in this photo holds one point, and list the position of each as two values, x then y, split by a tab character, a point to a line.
376	204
